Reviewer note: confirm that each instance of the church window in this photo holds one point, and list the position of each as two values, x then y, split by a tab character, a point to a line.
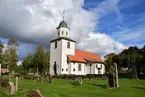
66	69
62	69
55	45
68	44
79	67
58	32
62	32
66	33
73	69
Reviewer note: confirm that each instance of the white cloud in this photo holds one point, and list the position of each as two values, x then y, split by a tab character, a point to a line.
135	34
35	22
101	43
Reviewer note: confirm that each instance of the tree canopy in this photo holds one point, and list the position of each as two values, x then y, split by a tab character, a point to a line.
133	56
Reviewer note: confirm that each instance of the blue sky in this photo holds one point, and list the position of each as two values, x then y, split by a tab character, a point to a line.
132	13
99	26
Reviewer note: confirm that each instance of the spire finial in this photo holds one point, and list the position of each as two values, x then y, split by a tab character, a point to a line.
63	14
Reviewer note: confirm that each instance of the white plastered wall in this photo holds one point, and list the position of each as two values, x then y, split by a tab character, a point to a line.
66	51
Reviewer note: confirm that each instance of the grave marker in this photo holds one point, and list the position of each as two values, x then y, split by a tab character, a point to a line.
11	88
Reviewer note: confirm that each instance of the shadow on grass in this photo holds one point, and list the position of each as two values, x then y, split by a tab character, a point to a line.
75	83
98	85
140	88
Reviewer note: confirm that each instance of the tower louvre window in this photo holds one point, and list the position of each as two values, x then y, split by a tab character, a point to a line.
55	46
68	44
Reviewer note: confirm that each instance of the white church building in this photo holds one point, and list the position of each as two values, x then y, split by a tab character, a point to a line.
66	59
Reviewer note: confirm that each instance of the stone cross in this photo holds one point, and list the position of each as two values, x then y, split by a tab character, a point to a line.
16	83
11	88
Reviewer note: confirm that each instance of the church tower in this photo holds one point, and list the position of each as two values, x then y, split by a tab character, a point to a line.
60	48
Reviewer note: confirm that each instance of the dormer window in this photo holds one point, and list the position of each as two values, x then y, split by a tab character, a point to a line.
55	45
68	44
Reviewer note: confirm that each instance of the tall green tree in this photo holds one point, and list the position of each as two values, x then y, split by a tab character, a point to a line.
1	51
28	63
11	54
39	59
108	60
133	56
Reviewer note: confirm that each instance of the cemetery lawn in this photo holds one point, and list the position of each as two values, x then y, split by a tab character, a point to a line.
93	88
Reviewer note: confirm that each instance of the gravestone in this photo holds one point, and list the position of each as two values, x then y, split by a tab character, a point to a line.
16	83
132	72
113	76
11	88
79	79
42	79
34	93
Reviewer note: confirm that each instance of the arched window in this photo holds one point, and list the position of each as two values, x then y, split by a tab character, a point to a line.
62	32
55	46
66	33
58	32
68	44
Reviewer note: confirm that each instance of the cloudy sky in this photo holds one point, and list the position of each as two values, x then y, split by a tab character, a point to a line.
99	26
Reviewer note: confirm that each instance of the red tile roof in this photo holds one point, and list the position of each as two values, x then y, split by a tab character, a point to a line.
4	70
83	56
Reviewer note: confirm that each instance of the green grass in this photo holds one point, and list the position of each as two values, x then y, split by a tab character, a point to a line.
93	88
